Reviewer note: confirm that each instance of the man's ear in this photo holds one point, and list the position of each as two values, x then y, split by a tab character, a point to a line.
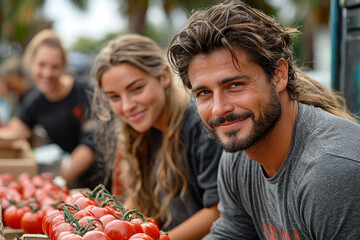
281	74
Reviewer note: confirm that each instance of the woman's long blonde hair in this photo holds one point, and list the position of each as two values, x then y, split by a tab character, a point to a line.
168	169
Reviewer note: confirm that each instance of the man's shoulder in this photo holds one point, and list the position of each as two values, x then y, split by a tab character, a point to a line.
323	134
323	117
323	124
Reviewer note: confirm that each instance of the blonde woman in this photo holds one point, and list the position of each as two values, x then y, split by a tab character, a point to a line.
60	104
171	164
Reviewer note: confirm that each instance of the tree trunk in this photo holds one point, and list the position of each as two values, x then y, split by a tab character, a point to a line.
136	15
310	26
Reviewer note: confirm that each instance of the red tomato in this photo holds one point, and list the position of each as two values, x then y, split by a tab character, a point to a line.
48	219
2	191
64	233
73	198
84	220
95	235
13	194
31	222
46	175
106	219
82	213
117	213
83	202
4	205
151	229
98	212
71	236
37	181
140	236
31	202
6	178
28	190
137	222
164	237
151	220
148	228
63	227
13	215
14	185
119	230
55	222
48	209
24	177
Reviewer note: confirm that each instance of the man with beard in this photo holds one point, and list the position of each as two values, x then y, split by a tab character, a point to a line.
291	170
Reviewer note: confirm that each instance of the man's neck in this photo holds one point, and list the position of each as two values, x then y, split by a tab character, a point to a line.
271	150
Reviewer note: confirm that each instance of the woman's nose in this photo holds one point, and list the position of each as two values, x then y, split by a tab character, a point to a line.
127	104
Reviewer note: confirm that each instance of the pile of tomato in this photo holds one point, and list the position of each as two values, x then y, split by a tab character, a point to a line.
99	215
26	200
37	205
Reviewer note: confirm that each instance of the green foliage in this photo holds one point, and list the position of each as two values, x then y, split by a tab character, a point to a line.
89	45
160	34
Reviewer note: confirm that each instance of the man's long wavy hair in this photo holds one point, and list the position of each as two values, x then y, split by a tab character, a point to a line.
234	25
135	150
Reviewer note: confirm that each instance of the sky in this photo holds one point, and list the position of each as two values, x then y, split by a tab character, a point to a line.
100	18
70	23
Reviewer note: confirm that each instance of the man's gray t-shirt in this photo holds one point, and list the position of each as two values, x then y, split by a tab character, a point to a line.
314	195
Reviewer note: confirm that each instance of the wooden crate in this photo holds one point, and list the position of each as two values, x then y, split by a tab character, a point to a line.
34	237
17	157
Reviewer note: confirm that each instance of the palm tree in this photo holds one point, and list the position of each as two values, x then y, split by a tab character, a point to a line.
311	15
20	20
136	10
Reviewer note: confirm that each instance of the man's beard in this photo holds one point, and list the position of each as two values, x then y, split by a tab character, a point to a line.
269	114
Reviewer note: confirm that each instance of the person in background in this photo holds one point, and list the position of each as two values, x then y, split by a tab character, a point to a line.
17	81
169	163
61	105
4	102
292	161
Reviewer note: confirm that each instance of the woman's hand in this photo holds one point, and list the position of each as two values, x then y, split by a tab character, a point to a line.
14	130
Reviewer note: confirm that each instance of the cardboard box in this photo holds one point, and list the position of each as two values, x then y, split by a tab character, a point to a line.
17	157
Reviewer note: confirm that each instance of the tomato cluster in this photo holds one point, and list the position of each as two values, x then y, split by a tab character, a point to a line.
25	200
38	206
98	215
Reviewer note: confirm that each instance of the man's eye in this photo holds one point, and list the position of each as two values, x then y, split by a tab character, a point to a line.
202	93
235	84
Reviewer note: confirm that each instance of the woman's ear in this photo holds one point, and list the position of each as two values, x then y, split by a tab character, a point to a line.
281	74
165	77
